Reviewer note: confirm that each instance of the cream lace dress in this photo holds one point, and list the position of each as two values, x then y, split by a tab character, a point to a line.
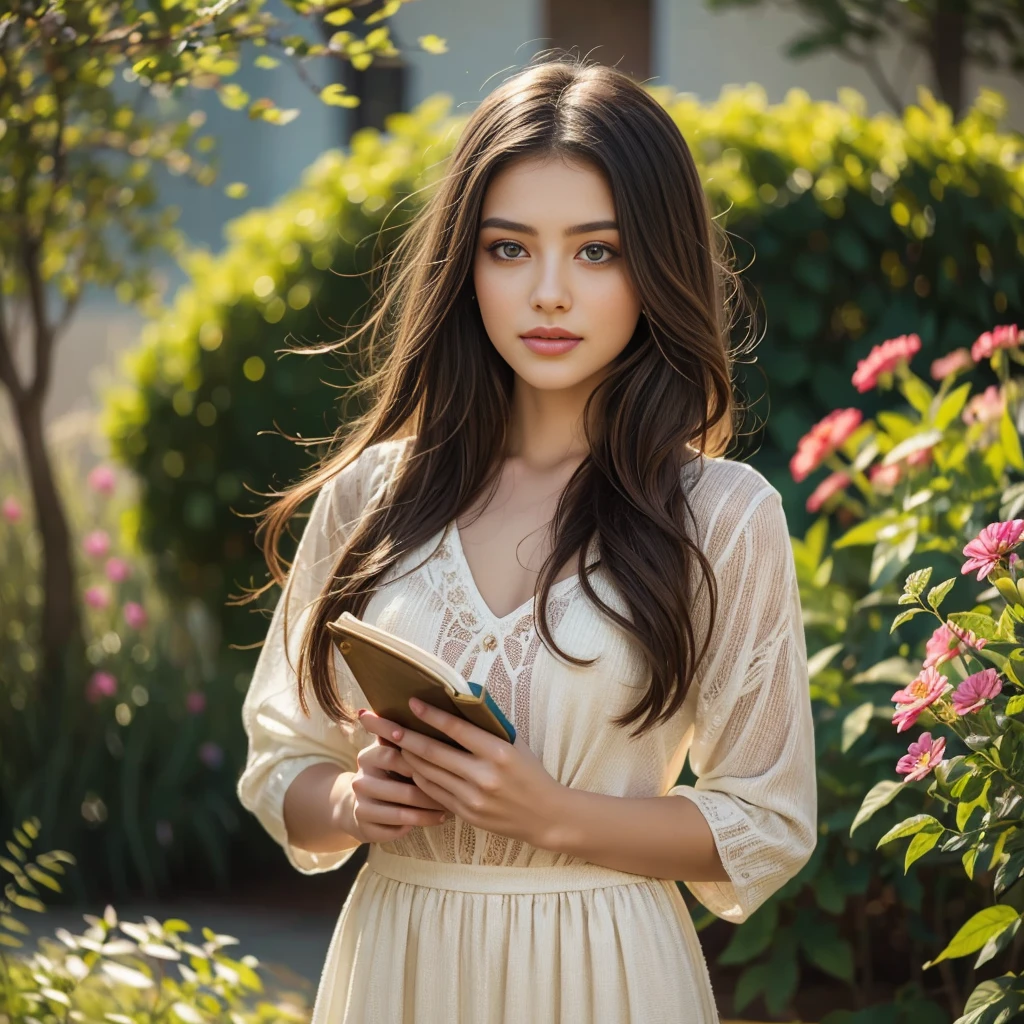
454	924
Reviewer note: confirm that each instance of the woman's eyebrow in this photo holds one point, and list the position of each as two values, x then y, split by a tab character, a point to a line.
525	229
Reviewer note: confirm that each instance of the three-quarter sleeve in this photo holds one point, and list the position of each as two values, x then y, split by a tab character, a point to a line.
752	750
283	741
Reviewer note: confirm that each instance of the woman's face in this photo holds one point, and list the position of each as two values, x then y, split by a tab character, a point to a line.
549	256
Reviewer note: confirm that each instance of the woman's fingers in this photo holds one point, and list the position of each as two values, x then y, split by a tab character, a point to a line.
380	787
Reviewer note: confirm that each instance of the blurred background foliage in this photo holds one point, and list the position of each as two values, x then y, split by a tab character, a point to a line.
863	227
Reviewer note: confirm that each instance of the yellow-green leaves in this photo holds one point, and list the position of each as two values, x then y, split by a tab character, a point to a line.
334	95
977	931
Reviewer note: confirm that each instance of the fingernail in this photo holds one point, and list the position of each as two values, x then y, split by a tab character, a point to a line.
362	711
416	705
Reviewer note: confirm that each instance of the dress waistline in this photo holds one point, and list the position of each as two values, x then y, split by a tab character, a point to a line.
485	878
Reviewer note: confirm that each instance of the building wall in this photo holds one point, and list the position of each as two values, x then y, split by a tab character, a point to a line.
694	50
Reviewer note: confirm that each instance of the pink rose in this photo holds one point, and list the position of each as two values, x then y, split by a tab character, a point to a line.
102	479
977	690
96	597
954	362
822	440
921	757
101	684
96	544
833	484
135	615
985	551
986	407
118	570
1004	336
883	359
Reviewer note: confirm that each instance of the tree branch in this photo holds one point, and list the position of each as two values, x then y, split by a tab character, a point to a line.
8	371
869	61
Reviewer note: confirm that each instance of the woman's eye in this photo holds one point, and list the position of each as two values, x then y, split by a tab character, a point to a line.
597	249
503	248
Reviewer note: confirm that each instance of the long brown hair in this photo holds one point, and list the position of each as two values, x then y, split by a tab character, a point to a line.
668	394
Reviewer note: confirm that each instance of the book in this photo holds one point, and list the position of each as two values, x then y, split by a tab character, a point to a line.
390	670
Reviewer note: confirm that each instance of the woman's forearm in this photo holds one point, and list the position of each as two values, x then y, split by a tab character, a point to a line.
662	837
318	810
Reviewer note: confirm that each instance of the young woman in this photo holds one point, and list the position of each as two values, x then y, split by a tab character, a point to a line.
537	494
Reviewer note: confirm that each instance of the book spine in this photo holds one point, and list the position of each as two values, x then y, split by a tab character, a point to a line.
509	728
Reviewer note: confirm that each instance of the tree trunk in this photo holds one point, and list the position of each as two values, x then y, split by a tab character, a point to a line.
61	623
947	54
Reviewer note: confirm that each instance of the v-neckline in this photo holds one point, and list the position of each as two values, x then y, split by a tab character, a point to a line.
483	606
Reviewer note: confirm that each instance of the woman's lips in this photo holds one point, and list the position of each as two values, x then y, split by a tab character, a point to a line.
550	346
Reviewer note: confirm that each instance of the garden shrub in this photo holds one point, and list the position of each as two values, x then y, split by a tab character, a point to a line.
122	972
913	486
129	768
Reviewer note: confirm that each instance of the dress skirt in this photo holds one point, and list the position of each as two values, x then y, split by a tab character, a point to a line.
425	942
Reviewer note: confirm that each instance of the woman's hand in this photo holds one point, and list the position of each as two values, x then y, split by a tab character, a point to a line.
379	809
493	784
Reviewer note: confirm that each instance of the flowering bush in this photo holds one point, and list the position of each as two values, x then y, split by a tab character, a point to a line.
118	971
128	769
934	489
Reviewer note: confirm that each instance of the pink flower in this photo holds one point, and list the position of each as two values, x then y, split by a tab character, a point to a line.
883	359
954	362
1004	336
948	642
920	458
210	754
96	544
102	479
12	510
924	691
118	570
96	597
135	615
921	757
885	478
986	407
822	440
101	684
195	702
997	539
833	484
975	690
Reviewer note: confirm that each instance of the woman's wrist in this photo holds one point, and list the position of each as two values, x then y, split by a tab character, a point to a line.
315	810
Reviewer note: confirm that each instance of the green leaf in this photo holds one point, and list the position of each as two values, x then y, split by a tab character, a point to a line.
938	593
866	532
1015	705
821	659
1010	440
904	617
880	794
983	626
890	670
855	724
951	407
917	393
977	931
334	95
341	16
917	581
910	827
832	955
928	439
750	984
752	937
920	845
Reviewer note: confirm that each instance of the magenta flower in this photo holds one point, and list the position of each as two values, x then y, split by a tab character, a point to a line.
12	510
1004	336
997	539
135	615
921	757
211	755
924	691
977	690
834	483
986	407
195	702
118	570
883	359
96	544
822	440
102	479
941	647
954	362
96	597
101	684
